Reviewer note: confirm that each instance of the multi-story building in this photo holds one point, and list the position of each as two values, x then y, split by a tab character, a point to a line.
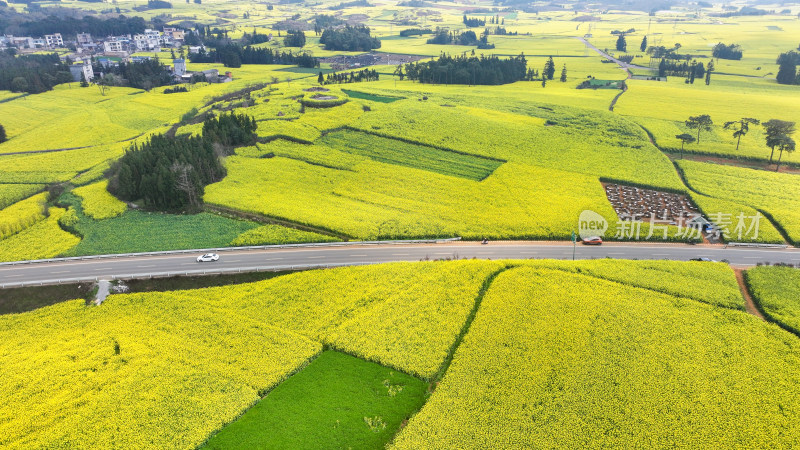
113	46
84	38
54	40
179	67
84	69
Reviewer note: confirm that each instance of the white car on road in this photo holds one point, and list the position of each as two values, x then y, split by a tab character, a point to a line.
208	257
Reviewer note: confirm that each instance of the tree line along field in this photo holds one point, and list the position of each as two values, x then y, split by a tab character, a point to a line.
519	160
661	350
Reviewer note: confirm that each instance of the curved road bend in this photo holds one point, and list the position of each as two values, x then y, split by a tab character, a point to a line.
249	260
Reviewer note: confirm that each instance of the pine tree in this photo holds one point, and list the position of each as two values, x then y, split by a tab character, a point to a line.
622	46
321	79
549	69
564	74
708	77
787	72
3	137
643	46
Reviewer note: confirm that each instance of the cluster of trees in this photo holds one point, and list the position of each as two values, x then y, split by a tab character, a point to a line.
473	21
723	51
499	31
176	90
294	38
445	37
470	70
31	73
415	32
497	20
158	4
70	26
787	70
170	173
745	11
233	55
255	38
349	77
145	74
354	3
628	31
230	130
659	52
691	71
777	133
352	39
325	21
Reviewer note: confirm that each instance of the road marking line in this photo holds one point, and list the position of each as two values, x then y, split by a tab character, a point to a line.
62	271
361	256
273	259
406	254
10	276
316	257
143	267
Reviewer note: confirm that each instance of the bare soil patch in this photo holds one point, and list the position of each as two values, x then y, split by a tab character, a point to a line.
643	204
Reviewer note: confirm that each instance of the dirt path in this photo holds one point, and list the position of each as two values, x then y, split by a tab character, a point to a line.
749	304
616	97
758	165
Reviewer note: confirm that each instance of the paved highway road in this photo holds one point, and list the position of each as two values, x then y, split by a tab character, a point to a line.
285	258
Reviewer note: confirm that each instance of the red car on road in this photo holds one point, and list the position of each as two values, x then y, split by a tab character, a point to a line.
592	240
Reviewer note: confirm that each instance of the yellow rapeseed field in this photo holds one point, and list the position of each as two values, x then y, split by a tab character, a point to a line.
21	215
564	360
45	239
98	203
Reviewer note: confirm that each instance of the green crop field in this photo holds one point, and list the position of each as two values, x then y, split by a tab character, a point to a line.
297	413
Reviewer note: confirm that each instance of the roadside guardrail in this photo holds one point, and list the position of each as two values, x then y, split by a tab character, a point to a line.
198	272
755	245
228	249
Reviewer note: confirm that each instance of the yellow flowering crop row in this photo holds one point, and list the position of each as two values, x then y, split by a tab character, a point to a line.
776	290
556	360
147	371
44	239
12	193
404	315
387	201
276	234
713	283
98	203
21	215
777	194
